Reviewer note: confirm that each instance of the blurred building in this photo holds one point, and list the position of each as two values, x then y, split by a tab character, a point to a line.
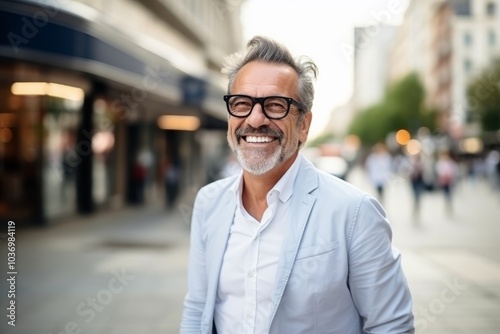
475	43
372	45
99	98
448	42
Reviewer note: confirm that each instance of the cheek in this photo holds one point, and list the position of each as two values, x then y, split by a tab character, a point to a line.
232	126
291	134
295	129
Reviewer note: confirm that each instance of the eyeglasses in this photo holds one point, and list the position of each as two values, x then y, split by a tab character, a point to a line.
274	107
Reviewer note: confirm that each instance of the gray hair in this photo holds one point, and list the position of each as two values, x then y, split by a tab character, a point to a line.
267	50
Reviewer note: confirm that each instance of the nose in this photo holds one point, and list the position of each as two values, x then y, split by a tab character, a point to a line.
257	116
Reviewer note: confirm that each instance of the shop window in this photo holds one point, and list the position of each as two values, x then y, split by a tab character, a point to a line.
62	156
38	156
103	143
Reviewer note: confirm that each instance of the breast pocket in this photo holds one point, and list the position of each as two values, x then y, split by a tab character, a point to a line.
317	250
314	267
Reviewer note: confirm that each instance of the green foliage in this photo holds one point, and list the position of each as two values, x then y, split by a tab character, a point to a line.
483	97
428	118
321	139
401	108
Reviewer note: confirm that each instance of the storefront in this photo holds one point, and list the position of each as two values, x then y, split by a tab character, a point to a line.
80	118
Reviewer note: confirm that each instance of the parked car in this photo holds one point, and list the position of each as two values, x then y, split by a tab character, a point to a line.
334	165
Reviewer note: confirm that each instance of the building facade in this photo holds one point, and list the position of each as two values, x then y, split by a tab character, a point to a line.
448	43
370	81
371	45
104	101
475	44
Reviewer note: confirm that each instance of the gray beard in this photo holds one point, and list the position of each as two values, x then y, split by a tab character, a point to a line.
256	163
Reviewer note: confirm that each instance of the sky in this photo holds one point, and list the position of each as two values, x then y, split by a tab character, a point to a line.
324	31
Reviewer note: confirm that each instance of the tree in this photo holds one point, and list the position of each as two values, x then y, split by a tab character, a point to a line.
321	139
401	108
483	98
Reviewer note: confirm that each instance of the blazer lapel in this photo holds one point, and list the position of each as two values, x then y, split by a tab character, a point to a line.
220	226
302	203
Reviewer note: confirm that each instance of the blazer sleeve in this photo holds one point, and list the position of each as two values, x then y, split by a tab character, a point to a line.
194	301
376	279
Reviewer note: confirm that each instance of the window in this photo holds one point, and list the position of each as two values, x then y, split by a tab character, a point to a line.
467	65
462	7
467	39
491	9
492	38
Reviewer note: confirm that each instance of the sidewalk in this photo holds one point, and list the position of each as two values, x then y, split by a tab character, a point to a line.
115	272
125	271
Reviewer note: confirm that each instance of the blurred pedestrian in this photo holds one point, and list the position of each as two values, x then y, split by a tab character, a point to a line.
498	172
491	161
447	172
378	165
171	176
140	174
283	247
417	166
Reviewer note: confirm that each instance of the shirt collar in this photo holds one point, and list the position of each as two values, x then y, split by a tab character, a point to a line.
287	181
284	186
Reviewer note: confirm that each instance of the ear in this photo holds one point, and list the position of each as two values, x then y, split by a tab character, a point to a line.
304	127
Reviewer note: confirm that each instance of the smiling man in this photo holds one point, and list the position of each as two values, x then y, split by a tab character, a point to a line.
283	247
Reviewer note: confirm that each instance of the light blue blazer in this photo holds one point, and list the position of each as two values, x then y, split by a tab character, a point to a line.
338	272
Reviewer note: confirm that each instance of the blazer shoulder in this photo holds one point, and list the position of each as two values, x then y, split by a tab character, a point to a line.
221	184
338	187
216	191
323	185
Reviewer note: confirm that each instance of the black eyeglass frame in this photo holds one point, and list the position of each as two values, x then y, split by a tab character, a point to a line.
261	100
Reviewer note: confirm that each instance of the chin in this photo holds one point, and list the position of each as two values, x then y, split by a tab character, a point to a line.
258	164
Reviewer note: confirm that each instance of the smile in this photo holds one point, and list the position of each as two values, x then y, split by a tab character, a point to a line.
258	139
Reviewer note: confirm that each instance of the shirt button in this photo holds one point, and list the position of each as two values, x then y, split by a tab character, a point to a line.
250	274
249	316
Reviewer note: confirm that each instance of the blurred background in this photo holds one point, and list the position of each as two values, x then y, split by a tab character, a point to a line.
111	119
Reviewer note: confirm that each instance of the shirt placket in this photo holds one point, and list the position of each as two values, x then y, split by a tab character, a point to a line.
251	274
251	285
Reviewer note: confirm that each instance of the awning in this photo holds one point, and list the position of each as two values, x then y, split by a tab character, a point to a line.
51	33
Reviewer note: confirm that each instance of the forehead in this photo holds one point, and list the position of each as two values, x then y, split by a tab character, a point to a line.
259	79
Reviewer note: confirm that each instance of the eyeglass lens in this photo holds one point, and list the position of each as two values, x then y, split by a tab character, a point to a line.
274	107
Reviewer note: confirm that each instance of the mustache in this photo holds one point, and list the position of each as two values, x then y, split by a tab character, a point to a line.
261	130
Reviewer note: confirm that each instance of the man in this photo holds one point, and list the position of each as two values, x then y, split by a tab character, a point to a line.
283	247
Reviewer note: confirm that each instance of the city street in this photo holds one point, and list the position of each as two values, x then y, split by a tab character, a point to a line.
125	271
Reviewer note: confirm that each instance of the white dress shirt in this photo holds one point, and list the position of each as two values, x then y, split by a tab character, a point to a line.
250	261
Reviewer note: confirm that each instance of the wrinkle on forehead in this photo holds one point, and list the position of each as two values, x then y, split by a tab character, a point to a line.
264	79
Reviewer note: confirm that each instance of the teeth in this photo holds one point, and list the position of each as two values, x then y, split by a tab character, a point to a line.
259	139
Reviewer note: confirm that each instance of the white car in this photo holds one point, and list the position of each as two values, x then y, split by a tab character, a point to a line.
334	165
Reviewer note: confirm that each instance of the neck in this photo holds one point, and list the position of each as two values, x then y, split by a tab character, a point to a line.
256	188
